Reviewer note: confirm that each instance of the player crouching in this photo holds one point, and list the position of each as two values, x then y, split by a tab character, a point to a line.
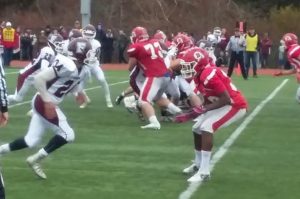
223	105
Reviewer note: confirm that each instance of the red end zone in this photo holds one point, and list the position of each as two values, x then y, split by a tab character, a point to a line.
124	67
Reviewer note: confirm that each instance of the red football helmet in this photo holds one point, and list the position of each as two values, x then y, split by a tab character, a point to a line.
183	42
80	50
289	39
89	32
139	34
193	61
161	36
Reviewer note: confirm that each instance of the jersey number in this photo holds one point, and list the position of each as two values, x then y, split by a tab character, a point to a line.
152	48
64	89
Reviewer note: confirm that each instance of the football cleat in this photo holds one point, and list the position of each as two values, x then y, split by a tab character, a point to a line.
130	104
119	99
199	177
29	113
155	126
190	169
36	167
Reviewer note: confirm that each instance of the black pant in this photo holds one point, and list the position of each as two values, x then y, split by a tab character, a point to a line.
239	58
121	56
2	192
8	53
251	56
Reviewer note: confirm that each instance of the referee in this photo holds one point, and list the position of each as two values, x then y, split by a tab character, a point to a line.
236	46
3	116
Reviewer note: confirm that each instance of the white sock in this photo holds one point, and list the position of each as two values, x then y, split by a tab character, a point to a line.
4	149
153	119
41	154
205	160
197	158
173	109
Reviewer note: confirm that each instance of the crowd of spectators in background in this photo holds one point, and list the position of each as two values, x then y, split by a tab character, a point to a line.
24	44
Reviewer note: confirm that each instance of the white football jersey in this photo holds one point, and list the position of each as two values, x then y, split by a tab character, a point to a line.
213	39
65	44
67	78
96	48
44	60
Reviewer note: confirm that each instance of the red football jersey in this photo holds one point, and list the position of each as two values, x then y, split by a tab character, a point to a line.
293	55
213	81
150	58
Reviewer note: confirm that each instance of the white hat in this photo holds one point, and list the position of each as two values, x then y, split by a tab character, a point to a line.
8	23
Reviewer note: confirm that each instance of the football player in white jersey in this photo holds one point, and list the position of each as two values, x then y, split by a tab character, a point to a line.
73	34
43	61
89	33
52	85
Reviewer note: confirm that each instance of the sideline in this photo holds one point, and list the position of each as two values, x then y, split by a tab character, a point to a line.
192	188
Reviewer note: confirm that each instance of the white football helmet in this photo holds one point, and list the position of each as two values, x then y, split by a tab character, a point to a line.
89	32
55	41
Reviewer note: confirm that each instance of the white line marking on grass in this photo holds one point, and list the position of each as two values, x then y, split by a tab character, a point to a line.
88	89
192	188
11	73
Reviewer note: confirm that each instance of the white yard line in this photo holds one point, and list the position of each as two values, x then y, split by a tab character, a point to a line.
87	89
192	188
11	73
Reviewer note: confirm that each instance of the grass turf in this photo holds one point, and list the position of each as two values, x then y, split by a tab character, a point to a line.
113	158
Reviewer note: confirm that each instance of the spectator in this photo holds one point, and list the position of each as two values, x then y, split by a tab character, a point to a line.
100	36
48	30
33	42
236	46
252	45
54	32
123	41
17	49
77	25
265	49
63	32
9	39
108	47
42	40
25	45
222	59
192	36
284	64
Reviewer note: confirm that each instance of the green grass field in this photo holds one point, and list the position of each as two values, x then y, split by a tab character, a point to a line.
112	158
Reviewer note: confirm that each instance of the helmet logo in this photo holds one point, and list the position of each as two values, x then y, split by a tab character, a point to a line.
198	56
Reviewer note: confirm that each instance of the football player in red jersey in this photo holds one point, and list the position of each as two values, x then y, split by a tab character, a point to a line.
146	53
183	43
292	48
223	105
